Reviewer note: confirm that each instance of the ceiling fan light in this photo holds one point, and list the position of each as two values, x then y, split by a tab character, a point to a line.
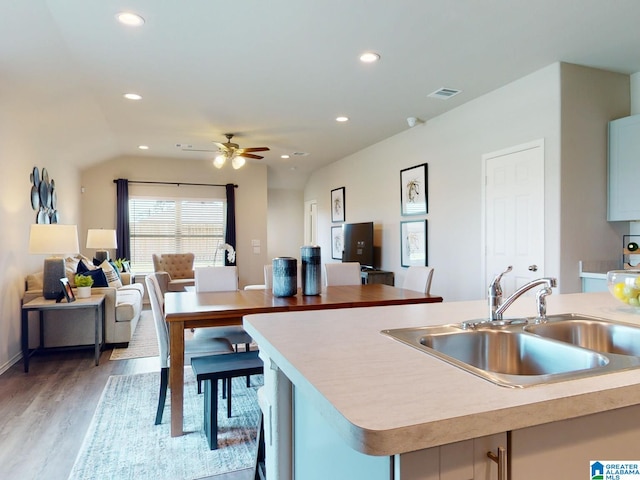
218	162
238	162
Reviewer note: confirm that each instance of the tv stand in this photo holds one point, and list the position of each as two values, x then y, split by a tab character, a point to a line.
371	275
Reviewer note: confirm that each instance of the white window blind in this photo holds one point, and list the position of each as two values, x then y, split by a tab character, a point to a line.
176	225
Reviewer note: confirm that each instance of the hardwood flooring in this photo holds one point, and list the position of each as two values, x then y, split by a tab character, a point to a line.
44	414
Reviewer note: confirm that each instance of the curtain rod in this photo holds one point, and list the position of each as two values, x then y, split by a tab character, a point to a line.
180	183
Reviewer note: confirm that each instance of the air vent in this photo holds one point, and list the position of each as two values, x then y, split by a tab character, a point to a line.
444	93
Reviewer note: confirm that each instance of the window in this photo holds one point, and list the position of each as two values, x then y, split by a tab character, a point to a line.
175	225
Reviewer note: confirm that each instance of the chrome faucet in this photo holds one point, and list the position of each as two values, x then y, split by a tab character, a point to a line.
497	307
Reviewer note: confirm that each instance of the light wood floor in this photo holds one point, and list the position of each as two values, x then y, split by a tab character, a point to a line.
44	414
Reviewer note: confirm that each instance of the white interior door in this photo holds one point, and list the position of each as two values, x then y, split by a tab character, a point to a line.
514	214
311	222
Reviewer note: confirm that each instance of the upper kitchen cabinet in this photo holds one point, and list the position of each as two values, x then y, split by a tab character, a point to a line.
624	163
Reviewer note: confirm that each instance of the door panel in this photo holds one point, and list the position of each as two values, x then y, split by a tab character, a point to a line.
514	214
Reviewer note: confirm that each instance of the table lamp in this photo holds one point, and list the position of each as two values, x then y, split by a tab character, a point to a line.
101	239
56	240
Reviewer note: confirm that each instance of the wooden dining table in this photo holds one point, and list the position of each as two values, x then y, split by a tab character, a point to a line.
186	310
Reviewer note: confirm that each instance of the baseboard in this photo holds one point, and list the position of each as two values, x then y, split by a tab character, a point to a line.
12	361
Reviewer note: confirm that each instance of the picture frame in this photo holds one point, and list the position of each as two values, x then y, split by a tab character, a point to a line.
337	205
414	190
413	243
67	291
337	242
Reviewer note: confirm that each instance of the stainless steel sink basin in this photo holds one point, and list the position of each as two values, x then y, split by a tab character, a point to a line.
590	332
513	353
521	355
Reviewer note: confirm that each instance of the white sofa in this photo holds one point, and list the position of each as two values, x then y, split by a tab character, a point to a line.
76	327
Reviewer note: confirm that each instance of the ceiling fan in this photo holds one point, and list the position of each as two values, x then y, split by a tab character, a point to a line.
232	151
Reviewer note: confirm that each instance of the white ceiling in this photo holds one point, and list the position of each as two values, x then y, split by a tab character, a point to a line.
277	73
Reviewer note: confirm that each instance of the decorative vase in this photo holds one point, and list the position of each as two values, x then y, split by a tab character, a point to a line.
310	271
285	277
83	292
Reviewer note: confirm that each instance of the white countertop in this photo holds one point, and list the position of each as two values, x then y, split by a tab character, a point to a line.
384	397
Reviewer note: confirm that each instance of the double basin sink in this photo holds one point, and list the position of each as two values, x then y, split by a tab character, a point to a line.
522	353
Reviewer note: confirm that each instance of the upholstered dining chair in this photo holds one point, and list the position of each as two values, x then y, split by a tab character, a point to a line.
418	278
346	273
220	279
192	347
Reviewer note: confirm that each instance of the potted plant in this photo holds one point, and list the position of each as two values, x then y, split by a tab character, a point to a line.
83	284
122	264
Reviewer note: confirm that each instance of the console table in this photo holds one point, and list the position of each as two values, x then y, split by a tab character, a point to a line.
41	305
377	276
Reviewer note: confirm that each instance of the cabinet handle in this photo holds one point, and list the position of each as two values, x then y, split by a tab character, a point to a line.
501	460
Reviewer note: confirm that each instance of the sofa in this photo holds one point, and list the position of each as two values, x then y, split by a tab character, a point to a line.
179	267
123	305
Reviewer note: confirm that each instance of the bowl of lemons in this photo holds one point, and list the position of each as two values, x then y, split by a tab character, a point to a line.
625	286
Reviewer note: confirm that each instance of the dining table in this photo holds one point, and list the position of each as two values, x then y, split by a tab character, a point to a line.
190	309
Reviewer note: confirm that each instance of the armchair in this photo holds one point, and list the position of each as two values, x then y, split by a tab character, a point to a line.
179	266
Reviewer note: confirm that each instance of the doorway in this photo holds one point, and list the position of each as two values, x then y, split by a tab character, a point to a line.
514	214
311	222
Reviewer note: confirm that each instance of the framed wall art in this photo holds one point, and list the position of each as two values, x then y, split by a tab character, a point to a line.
413	243
337	205
413	190
337	243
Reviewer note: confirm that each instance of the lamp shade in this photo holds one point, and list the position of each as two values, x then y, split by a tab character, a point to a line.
101	239
53	239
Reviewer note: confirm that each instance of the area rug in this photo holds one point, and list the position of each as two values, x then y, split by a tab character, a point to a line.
123	443
144	342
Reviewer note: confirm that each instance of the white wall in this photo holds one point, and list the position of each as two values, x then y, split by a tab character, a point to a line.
285	231
20	151
453	144
99	199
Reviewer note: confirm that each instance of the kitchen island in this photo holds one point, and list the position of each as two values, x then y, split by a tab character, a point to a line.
341	400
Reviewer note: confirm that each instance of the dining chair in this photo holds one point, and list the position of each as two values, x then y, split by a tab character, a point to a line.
346	273
220	279
418	278
192	347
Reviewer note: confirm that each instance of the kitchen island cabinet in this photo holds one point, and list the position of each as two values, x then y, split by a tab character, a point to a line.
341	400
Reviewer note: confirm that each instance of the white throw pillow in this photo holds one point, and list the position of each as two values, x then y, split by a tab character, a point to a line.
112	276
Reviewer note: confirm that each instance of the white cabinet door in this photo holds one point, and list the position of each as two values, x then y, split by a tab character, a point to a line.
624	160
466	460
565	449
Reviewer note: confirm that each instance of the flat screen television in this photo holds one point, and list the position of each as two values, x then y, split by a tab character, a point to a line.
358	243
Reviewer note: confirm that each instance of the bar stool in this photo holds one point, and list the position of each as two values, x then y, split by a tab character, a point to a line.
212	368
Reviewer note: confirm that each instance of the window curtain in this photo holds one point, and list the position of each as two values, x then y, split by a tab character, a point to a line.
230	230
122	219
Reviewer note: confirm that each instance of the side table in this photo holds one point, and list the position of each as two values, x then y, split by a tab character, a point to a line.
41	305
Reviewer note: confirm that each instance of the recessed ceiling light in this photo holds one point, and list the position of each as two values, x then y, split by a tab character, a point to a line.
143	147
369	57
132	96
284	156
130	19
342	119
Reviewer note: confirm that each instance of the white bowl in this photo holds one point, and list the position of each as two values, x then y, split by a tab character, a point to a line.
625	286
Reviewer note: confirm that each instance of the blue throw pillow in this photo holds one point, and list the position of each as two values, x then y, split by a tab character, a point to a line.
99	278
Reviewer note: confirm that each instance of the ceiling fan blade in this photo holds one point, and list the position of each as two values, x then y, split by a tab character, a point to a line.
222	146
255	149
249	155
